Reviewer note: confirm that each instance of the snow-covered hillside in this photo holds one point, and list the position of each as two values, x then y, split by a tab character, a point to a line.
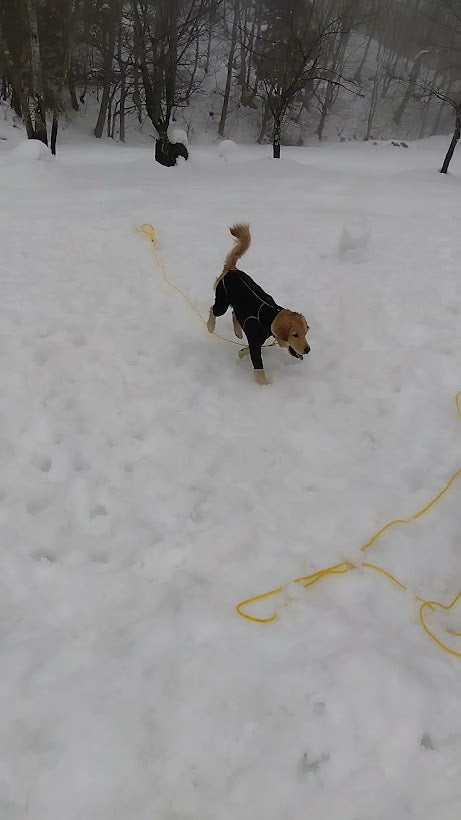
148	486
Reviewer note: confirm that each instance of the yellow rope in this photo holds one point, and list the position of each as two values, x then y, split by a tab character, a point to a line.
148	231
432	605
346	566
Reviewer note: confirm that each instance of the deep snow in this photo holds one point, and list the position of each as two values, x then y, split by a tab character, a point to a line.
148	485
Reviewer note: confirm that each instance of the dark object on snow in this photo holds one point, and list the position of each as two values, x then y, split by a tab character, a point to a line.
404	145
427	742
166	152
395	144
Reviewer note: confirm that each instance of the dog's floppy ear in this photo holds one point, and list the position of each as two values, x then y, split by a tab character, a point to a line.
281	326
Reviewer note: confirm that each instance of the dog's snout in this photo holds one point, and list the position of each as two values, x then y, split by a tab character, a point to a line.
307	349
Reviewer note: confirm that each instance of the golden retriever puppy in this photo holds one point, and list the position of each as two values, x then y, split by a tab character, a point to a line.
254	312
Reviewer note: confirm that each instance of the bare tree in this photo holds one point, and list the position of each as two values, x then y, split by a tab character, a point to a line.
230	61
335	70
454	101
292	52
10	52
38	88
70	28
165	31
110	26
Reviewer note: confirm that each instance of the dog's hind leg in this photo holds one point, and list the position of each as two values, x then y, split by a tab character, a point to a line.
237	328
221	304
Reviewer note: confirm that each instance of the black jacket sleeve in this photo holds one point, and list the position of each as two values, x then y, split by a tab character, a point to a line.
256	338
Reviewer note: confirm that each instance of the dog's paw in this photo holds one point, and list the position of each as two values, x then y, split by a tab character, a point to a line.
261	377
211	324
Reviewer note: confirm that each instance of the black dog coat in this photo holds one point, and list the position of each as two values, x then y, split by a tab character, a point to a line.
254	309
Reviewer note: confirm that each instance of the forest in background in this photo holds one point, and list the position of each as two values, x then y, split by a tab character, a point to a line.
295	68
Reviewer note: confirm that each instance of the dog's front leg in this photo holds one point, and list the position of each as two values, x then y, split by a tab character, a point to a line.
211	324
256	358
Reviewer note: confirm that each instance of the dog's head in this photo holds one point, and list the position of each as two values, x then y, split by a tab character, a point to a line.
290	330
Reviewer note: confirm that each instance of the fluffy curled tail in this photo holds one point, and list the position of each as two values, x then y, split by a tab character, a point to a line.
241	233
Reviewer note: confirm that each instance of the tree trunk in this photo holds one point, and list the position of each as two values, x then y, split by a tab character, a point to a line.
19	98
54	132
323	117
262	130
190	84
410	88
392	67
66	72
276	138
453	143
243	53
436	126
72	91
38	92
374	96
250	94
115	113
16	102
136	90
225	107
358	73
172	67
152	89
122	68
122	108
108	60
210	35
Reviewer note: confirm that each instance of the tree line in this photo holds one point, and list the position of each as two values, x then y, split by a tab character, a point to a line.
285	59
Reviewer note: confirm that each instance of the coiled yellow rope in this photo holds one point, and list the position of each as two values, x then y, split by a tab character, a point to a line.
148	231
347	566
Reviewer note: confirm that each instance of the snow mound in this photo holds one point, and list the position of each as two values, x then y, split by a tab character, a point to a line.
226	148
354	240
30	150
178	135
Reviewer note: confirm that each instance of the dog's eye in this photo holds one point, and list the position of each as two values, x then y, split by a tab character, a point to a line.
296	335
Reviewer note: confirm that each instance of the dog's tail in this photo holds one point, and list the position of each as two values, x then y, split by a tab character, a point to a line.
242	235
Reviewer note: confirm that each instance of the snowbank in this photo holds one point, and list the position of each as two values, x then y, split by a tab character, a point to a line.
31	151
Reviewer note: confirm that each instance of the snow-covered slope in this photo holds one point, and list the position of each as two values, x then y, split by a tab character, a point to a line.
148	485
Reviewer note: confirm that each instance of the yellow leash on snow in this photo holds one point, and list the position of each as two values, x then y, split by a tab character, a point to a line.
347	566
148	231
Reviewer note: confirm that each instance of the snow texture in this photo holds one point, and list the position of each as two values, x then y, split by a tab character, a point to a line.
148	485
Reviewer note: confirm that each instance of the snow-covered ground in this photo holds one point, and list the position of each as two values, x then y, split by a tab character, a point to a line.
148	485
